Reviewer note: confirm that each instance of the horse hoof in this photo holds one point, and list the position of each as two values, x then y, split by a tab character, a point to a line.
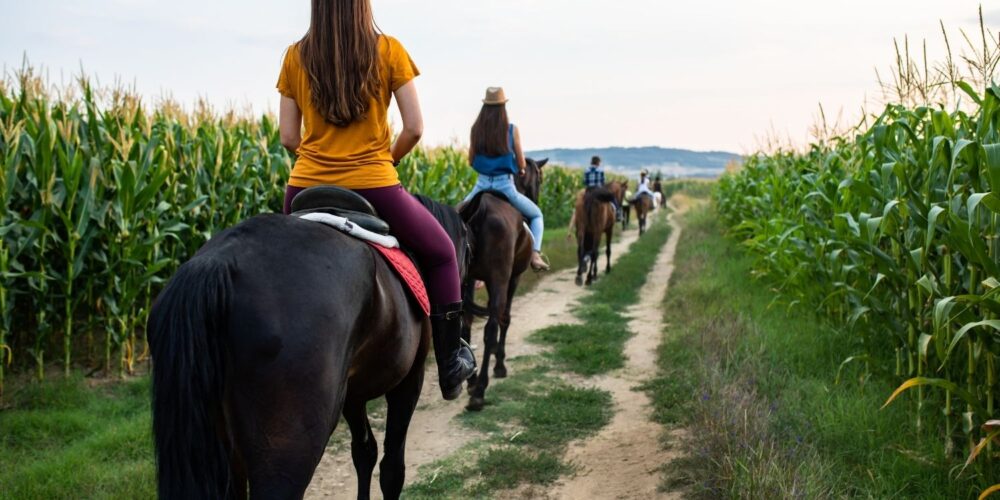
476	404
500	372
579	281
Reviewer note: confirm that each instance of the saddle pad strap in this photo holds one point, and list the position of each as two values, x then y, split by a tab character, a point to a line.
352	229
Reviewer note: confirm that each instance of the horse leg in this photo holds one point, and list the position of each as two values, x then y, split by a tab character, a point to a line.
469	297
281	453
592	268
469	292
500	370
498	291
364	450
402	401
240	479
581	267
608	236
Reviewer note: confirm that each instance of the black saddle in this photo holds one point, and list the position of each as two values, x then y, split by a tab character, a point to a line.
342	203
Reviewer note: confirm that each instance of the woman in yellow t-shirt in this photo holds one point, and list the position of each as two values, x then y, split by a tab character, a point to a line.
336	84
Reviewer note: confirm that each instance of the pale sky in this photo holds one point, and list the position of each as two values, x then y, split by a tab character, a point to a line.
579	73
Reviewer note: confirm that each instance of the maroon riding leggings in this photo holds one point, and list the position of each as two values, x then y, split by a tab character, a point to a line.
419	232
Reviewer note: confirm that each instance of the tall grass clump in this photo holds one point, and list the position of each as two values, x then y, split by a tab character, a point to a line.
104	196
891	231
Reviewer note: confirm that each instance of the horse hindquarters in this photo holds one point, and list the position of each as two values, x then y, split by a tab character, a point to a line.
250	344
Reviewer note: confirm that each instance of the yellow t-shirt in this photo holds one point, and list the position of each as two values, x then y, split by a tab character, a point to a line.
356	156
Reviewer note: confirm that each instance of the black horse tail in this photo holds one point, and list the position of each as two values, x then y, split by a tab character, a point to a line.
186	329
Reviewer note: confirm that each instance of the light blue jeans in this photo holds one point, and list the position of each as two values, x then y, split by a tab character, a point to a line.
505	185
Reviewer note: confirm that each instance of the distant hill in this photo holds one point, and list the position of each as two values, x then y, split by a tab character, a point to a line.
670	162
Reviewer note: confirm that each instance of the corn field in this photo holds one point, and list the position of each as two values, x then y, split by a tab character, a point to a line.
893	234
104	197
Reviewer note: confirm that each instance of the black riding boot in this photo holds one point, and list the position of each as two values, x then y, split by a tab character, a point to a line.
455	361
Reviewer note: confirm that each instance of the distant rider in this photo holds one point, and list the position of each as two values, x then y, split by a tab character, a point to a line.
593	178
643	188
496	155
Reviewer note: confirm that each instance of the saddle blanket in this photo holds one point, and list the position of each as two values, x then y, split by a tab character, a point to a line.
407	272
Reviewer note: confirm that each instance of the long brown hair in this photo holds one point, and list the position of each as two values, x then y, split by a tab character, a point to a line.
340	53
489	133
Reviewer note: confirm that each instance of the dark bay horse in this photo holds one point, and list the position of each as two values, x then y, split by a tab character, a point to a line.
260	342
501	252
643	205
594	216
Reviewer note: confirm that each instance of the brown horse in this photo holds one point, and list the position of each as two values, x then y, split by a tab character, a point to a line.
260	342
594	216
643	205
500	252
618	189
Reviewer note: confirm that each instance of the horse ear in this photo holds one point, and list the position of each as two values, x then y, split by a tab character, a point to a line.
541	163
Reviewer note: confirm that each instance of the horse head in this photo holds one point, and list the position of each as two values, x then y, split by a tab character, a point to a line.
530	183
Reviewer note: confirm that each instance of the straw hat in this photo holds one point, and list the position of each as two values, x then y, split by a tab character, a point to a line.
495	96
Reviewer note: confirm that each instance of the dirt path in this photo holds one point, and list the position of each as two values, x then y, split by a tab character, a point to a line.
433	435
624	459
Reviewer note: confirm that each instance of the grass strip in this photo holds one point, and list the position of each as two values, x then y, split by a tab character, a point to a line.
597	345
532	416
754	386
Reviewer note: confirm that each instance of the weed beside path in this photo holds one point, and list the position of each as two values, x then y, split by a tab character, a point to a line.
754	384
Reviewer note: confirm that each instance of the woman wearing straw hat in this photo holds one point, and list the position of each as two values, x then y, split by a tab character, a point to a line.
495	153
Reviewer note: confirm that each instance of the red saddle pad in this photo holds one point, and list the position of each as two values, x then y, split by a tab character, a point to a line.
407	271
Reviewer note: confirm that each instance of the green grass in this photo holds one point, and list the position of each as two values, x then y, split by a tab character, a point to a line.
597	345
753	383
62	439
529	418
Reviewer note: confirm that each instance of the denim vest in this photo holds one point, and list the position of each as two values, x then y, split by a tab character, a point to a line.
498	165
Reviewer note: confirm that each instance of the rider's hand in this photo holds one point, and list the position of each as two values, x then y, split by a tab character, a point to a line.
523	171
